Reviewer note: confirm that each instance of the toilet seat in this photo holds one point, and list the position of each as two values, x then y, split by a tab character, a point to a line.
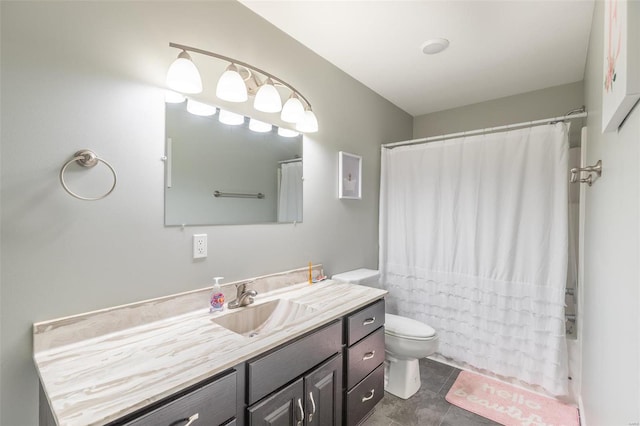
407	328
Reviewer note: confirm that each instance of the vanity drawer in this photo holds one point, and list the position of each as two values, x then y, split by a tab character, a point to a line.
362	398
364	356
214	404
364	322
279	367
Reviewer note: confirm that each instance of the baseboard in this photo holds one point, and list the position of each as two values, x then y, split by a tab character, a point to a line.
583	421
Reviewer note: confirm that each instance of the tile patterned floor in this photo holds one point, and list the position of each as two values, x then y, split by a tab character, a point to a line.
427	407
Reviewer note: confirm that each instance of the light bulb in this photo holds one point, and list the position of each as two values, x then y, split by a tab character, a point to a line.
183	76
259	126
268	99
198	108
293	110
231	118
231	86
309	123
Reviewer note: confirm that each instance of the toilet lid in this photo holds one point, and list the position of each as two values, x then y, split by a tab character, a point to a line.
406	327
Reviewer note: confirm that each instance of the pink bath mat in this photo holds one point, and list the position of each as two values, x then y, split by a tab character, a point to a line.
507	404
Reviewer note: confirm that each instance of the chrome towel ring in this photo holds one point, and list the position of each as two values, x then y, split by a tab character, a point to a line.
87	158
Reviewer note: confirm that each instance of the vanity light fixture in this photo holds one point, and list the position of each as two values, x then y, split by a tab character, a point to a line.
241	80
267	98
231	86
183	76
293	110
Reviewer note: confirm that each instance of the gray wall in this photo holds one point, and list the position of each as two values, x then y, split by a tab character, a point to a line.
537	105
611	304
90	75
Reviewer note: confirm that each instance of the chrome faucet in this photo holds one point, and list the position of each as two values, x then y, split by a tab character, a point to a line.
244	297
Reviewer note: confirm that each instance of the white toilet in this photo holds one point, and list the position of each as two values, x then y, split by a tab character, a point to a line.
406	341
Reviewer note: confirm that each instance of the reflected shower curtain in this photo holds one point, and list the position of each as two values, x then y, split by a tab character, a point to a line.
473	241
290	192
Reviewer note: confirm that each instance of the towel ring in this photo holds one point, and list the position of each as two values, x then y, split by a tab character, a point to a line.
87	158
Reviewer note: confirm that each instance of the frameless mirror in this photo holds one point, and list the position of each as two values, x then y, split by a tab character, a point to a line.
221	174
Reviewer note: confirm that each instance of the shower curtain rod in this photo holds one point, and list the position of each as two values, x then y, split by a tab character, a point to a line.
573	114
293	160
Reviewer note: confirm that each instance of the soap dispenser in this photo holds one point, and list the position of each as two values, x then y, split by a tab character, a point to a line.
217	298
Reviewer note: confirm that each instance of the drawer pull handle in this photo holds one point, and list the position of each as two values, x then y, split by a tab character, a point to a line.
369	321
366	398
313	407
188	421
369	355
299	422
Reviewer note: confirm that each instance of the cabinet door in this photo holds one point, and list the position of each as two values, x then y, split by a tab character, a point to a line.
323	394
284	408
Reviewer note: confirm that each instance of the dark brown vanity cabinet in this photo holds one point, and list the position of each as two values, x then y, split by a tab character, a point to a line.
314	365
212	403
364	337
312	400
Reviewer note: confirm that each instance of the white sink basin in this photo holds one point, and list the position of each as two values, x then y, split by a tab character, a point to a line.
263	318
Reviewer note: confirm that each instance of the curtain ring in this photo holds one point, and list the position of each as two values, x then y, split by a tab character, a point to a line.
87	158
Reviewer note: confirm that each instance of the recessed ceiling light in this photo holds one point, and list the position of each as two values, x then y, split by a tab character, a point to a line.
435	45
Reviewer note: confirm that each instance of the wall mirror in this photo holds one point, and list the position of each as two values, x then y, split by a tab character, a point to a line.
221	174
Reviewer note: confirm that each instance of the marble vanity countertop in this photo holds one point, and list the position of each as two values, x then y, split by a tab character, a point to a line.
103	377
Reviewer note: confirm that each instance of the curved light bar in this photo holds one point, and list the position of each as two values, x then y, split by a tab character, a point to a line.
233	88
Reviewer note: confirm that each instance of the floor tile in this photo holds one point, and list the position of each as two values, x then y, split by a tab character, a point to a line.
456	416
434	375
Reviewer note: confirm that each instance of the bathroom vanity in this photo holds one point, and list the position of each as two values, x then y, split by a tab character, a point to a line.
300	355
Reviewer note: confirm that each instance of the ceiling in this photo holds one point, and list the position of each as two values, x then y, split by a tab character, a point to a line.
497	48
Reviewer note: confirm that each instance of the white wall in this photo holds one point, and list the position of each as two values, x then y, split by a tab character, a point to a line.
611	305
89	75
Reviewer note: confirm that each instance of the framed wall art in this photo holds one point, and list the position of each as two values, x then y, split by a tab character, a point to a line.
621	77
349	176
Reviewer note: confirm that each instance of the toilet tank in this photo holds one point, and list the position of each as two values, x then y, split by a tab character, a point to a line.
362	276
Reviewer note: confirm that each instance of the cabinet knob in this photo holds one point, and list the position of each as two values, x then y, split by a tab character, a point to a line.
189	421
369	355
369	321
299	422
313	407
366	398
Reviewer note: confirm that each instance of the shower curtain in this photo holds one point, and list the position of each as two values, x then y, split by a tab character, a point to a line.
473	241
290	192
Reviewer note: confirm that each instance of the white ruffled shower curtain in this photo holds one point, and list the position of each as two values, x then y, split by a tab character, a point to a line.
473	242
290	192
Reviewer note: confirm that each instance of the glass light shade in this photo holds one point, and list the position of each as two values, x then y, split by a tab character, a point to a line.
309	123
172	97
287	133
293	110
268	99
183	76
198	108
231	118
259	126
231	86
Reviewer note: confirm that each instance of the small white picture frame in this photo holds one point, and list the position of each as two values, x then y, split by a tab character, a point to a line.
349	176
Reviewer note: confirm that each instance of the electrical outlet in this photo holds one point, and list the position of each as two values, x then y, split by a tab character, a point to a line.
199	246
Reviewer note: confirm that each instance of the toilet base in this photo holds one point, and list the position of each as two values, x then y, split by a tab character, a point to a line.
401	376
